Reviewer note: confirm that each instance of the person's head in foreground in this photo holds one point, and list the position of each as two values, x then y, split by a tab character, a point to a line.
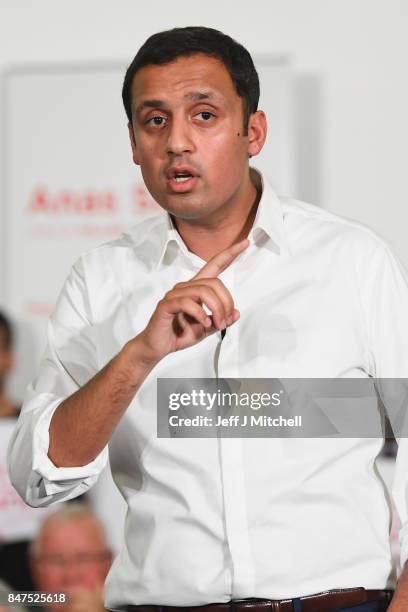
191	98
70	554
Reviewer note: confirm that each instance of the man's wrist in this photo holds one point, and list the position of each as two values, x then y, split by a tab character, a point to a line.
138	356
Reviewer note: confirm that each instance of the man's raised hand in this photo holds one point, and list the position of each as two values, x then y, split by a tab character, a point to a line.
180	321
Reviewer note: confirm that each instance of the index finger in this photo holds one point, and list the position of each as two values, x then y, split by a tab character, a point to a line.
222	260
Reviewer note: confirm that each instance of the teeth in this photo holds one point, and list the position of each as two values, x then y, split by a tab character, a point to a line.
181	179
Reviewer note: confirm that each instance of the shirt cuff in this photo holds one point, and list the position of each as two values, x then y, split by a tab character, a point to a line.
61	479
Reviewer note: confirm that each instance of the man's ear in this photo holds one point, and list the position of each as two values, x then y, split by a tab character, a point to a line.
257	129
133	144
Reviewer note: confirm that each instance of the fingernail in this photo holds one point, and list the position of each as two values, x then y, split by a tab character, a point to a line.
223	324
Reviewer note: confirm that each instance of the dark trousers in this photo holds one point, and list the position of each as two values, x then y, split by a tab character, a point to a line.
374	606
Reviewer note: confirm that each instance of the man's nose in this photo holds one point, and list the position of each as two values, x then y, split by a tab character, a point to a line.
72	575
179	138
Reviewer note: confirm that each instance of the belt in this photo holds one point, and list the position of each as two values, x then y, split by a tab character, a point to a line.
321	602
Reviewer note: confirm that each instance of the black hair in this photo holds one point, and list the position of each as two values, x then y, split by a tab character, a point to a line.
5	325
165	47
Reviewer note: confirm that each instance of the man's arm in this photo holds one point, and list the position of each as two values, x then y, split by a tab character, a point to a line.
399	602
83	424
83	421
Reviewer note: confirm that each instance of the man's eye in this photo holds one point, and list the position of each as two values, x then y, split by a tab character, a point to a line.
156	120
206	115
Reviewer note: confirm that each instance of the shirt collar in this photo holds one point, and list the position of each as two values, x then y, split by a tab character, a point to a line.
267	230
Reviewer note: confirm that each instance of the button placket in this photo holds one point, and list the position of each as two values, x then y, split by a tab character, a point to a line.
233	474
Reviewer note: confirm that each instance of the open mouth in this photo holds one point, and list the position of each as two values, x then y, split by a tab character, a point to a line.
181	179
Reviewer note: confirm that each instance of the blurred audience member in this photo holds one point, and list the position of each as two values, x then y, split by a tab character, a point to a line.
7	407
70	555
18	522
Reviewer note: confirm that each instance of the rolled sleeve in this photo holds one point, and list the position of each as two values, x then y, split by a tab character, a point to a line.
68	363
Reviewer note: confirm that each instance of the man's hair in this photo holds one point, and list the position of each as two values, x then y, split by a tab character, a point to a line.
6	331
70	512
165	47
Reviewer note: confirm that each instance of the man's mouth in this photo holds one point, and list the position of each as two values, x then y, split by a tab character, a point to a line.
181	179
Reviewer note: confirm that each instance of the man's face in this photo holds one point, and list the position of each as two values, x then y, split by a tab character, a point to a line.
187	135
72	555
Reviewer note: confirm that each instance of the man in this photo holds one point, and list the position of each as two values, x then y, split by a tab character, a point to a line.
13	550
70	555
18	522
232	282
7	406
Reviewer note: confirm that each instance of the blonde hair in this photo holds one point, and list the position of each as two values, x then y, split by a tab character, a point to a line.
69	512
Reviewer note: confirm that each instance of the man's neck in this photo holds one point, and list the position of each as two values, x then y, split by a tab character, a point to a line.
206	239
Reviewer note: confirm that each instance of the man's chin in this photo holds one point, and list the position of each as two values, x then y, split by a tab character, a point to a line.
184	208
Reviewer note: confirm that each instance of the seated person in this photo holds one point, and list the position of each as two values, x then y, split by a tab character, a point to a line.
18	522
70	555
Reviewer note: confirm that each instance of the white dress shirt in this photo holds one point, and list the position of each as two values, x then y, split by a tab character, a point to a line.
215	519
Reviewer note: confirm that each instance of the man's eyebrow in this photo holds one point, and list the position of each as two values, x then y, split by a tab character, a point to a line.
193	95
199	95
149	104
